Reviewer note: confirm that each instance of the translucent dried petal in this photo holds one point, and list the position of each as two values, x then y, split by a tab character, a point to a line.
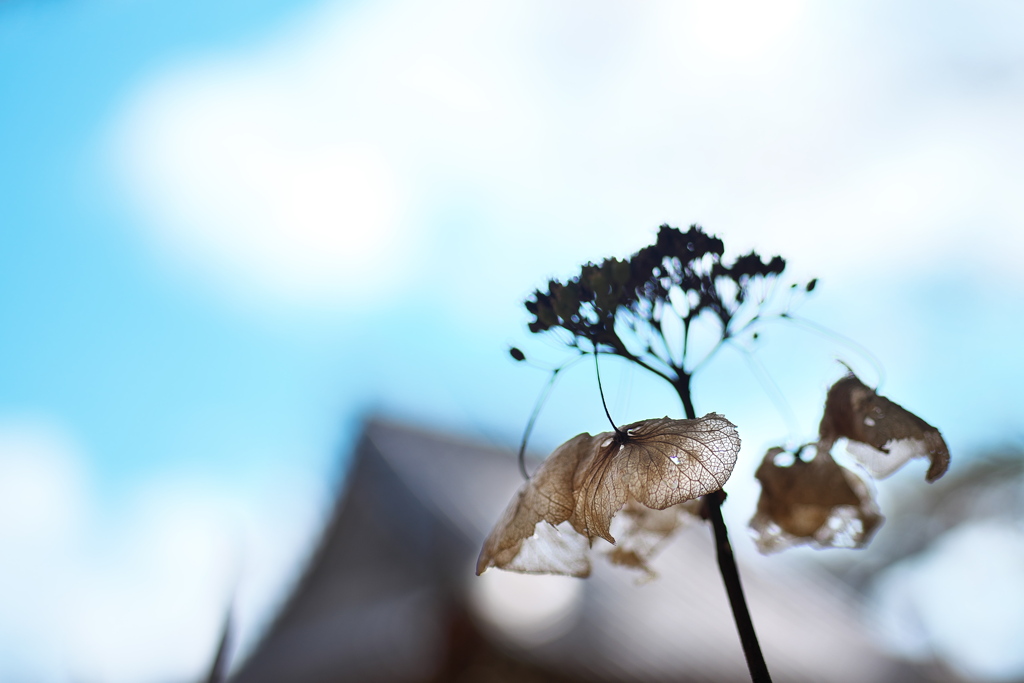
552	550
816	502
641	531
588	479
657	463
545	500
882	434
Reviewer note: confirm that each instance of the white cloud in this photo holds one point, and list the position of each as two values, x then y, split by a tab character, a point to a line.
135	590
243	187
399	143
152	601
41	485
744	30
43	504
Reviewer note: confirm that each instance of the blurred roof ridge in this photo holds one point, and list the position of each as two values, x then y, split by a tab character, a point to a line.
406	529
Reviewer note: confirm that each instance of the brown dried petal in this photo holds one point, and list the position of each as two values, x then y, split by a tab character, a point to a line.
816	502
656	463
641	531
546	497
882	434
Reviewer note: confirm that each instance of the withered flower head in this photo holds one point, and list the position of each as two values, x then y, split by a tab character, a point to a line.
883	435
571	499
824	504
816	502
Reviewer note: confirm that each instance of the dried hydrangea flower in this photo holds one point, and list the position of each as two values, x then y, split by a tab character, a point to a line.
816	502
571	499
882	435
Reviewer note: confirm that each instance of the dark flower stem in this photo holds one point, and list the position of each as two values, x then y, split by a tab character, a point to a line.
727	567
731	578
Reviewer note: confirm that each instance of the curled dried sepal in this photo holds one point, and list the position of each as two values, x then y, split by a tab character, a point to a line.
588	479
814	502
882	434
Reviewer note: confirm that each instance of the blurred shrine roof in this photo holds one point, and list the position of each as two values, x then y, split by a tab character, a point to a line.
391	595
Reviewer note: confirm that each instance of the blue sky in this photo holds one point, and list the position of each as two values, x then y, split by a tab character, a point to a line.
229	232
